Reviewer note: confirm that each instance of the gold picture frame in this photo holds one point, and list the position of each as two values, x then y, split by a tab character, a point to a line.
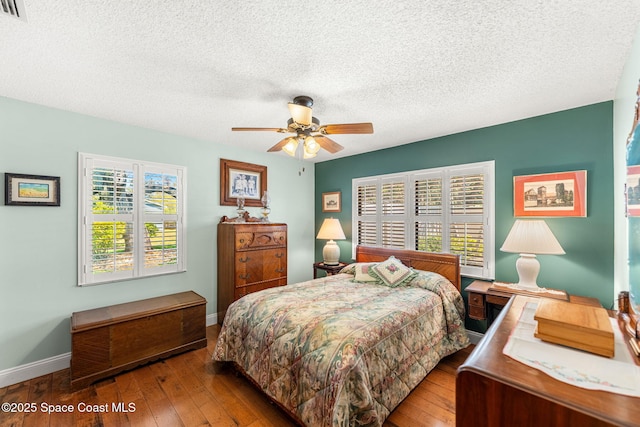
240	177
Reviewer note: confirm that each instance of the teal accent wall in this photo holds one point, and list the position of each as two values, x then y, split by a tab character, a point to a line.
577	139
38	245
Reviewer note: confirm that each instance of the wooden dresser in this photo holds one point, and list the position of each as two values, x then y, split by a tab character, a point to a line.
252	256
115	338
494	390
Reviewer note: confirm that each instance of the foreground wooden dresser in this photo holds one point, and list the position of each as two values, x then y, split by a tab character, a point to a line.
252	256
112	339
494	390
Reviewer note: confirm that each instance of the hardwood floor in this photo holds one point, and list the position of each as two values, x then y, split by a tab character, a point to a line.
189	390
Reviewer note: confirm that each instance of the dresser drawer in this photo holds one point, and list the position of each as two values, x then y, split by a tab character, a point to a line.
257	266
497	300
245	290
477	312
260	239
476	300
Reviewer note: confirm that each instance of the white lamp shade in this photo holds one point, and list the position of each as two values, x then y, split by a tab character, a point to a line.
331	230
531	237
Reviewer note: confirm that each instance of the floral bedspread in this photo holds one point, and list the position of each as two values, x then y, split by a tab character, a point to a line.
335	352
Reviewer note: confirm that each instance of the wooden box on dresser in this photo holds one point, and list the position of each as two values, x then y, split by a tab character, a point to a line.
252	256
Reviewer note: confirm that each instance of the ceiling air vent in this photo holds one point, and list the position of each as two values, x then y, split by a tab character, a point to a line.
13	8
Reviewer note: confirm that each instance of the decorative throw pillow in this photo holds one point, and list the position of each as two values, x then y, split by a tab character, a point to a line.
392	272
349	269
363	270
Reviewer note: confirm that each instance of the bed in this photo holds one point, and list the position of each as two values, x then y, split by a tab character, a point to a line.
347	349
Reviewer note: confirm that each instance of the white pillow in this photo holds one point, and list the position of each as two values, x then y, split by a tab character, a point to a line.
362	272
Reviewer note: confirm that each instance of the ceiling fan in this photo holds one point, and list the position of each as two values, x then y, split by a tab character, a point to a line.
309	132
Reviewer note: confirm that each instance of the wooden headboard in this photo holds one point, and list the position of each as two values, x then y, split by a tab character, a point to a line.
447	265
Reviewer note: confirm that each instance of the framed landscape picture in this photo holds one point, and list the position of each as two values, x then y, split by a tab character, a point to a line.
31	190
331	202
551	194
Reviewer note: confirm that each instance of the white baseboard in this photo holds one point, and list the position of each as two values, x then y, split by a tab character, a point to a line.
474	337
212	319
34	369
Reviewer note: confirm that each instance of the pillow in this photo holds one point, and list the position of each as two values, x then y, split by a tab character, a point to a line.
363	271
349	269
392	272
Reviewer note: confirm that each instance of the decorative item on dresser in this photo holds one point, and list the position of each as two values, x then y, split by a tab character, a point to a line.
252	256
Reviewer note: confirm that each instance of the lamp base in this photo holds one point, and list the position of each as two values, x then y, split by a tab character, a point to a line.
528	268
331	253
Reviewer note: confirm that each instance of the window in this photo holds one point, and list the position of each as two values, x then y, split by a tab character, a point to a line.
446	209
131	219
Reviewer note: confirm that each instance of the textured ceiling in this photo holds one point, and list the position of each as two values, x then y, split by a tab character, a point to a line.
416	69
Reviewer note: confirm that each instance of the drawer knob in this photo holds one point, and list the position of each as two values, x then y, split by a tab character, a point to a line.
279	255
244	259
245	276
280	270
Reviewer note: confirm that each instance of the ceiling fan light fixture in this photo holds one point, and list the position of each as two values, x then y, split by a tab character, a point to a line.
307	154
311	145
291	146
300	114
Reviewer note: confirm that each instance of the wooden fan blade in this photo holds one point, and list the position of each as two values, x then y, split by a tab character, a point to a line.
328	144
347	128
281	130
279	145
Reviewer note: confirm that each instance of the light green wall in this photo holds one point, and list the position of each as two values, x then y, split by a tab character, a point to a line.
38	245
575	139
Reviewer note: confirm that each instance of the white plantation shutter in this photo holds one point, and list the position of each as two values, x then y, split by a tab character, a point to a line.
110	221
466	193
427	200
393	205
161	217
436	210
366	214
131	219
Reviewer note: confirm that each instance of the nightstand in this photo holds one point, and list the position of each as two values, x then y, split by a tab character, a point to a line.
486	299
329	269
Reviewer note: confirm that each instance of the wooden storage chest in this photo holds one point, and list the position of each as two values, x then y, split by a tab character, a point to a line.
252	256
112	339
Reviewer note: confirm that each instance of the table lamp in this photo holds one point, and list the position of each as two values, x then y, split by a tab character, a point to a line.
331	230
528	238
